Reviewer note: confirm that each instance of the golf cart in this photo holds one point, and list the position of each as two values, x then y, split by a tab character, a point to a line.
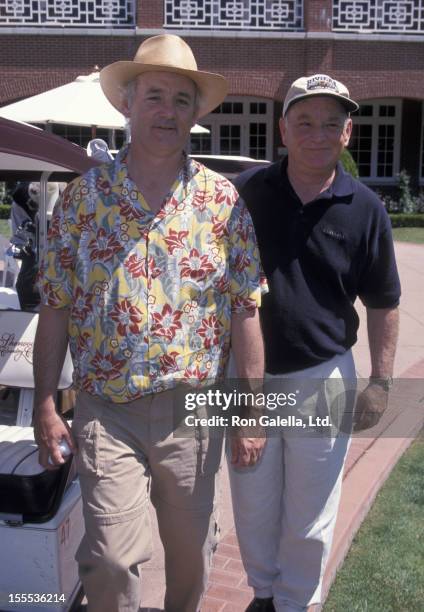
41	521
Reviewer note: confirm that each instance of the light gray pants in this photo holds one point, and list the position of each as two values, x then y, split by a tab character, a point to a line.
126	452
286	506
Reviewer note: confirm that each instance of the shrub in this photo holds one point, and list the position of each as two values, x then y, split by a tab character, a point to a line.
407	202
407	220
349	163
4	211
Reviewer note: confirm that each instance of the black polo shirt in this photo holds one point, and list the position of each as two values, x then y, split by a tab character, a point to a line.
318	258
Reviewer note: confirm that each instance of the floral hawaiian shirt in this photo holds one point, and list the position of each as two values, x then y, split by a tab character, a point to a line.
150	295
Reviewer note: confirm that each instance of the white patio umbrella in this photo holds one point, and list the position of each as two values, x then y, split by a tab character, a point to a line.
81	102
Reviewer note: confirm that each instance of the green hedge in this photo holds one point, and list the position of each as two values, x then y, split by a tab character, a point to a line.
407	220
397	219
4	211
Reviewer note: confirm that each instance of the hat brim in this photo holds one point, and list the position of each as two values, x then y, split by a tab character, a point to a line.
213	88
350	105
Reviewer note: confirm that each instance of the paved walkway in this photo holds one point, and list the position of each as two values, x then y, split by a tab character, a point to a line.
228	590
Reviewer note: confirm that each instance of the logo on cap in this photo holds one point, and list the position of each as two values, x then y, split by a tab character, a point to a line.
321	81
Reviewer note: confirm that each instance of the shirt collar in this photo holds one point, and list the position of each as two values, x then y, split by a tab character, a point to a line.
342	186
187	172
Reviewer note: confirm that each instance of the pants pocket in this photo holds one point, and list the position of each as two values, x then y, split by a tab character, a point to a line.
208	445
87	433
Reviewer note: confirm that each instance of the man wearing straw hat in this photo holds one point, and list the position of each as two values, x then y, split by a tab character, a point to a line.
151	271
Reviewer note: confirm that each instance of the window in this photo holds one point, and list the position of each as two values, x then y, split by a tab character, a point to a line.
375	142
82	135
239	126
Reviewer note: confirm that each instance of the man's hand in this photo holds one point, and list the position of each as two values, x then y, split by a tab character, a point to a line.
49	429
247	444
370	406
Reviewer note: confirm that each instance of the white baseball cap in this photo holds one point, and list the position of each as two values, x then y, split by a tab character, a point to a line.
318	85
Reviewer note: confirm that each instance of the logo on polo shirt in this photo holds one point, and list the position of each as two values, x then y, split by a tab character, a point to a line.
321	81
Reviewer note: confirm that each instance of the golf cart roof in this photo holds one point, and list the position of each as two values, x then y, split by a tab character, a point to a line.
26	152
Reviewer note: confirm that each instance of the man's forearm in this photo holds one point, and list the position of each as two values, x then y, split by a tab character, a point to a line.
247	346
50	346
383	330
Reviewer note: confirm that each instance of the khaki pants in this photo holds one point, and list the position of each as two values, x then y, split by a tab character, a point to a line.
127	452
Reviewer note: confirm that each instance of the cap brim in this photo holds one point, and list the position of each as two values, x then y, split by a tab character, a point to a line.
213	88
350	105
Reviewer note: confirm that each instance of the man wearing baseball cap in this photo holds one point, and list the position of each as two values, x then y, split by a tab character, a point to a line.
325	239
145	275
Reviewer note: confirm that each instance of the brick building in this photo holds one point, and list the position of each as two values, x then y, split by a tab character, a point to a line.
261	46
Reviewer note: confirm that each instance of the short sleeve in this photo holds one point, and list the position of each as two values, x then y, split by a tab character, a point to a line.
248	282
379	283
58	262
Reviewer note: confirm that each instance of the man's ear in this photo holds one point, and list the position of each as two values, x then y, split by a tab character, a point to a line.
125	107
282	126
347	132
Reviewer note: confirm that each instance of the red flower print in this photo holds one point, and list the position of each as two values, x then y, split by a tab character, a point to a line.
194	373
131	210
88	386
167	322
104	186
81	304
67	197
51	293
224	192
196	266
219	227
84	222
104	246
82	344
127	316
175	240
66	259
168	363
244	225
136	265
242	303
223	285
201	200
107	367
54	229
210	330
242	261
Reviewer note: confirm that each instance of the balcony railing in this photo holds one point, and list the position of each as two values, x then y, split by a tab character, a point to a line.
381	16
234	14
68	13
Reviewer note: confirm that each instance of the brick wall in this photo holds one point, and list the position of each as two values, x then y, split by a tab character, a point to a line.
318	15
150	13
31	64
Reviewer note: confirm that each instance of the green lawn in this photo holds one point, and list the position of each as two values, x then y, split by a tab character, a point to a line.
4	228
384	570
403	234
409	234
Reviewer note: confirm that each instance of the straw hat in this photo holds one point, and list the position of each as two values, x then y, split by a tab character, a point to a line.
163	53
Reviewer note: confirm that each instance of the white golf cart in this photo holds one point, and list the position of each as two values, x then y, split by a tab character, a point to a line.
41	521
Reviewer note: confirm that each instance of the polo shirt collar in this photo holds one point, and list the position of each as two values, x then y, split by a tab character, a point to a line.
342	186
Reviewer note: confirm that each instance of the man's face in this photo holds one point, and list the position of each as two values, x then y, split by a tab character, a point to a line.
162	112
315	132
